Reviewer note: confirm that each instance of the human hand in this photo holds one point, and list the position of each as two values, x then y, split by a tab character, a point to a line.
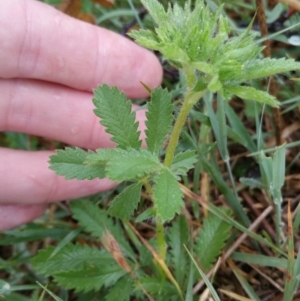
50	63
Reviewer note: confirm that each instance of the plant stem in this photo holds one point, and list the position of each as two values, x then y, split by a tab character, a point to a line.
161	243
188	102
160	236
176	132
190	99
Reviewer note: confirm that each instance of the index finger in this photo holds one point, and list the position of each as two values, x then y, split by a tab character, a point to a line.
49	45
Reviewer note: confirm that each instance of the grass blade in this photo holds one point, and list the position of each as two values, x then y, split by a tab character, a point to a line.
258	259
206	280
50	293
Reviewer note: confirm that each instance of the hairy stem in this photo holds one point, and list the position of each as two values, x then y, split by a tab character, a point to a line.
160	236
176	133
161	242
190	99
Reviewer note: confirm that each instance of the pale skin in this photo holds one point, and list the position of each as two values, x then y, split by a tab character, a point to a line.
50	64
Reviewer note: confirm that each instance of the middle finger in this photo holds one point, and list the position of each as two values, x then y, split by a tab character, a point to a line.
53	111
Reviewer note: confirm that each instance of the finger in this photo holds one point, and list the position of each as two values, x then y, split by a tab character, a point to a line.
49	45
54	111
12	216
25	178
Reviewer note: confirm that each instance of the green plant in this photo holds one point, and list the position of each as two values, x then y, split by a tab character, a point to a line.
200	44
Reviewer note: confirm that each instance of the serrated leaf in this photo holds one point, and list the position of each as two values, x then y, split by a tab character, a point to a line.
124	285
97	222
160	288
145	256
115	112
70	164
195	38
91	217
125	164
132	164
259	68
71	257
126	202
104	155
252	94
174	53
90	278
178	236
156	10
211	239
179	27
159	119
167	195
183	162
145	38
203	67
33	231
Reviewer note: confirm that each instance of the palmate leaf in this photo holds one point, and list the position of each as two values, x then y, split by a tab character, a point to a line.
90	278
252	94
159	119
114	110
193	36
126	202
177	28
71	257
167	195
132	164
211	239
70	163
125	164
178	237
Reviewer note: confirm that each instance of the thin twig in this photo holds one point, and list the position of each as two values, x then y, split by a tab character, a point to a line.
266	225
269	279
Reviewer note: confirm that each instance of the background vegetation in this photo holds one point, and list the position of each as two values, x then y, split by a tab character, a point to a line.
261	263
